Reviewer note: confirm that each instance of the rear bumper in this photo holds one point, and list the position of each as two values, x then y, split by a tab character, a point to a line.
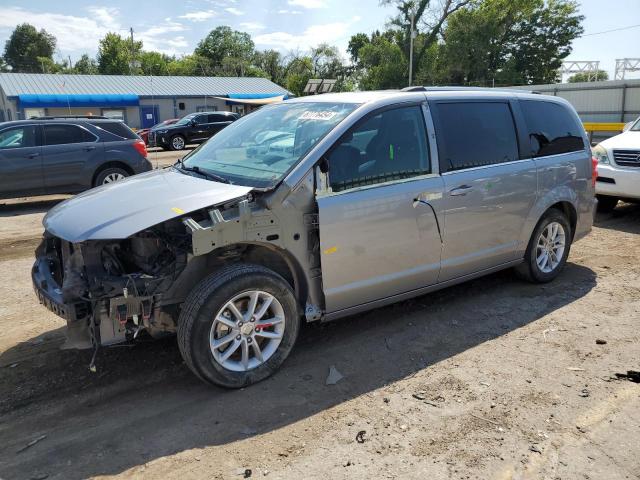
617	181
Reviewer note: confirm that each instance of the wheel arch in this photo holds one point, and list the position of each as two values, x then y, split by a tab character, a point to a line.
111	164
257	253
561	198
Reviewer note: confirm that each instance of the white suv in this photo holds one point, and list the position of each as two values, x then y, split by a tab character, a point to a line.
619	167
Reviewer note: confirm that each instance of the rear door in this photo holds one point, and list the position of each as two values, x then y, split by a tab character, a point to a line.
379	232
199	132
20	162
489	184
67	150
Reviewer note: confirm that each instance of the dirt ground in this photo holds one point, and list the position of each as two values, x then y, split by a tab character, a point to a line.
495	378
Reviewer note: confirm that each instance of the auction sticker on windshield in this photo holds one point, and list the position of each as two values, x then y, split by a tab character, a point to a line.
310	115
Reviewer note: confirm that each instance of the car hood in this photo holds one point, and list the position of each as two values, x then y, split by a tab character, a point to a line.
120	209
627	139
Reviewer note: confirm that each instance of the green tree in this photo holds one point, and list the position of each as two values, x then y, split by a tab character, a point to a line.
383	64
271	63
3	66
86	65
509	42
190	65
597	76
117	54
356	42
229	51
27	49
540	43
298	71
153	63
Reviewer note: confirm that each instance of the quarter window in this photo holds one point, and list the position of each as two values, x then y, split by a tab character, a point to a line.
390	145
18	137
475	134
552	129
65	134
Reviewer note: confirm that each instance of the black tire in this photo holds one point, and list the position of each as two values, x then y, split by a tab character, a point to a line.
104	175
606	204
203	303
529	269
177	145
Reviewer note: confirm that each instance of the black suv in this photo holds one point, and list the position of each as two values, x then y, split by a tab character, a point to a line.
192	128
50	155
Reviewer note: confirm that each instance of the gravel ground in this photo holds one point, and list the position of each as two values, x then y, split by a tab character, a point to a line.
494	378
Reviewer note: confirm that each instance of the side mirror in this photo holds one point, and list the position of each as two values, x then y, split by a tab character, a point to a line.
627	126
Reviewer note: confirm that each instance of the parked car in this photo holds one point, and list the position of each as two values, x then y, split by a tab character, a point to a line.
619	168
190	129
143	133
66	155
382	196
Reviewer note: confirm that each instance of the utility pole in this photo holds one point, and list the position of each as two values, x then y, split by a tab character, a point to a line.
412	36
132	50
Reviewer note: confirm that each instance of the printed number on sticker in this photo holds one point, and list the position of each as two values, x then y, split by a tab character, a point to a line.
317	115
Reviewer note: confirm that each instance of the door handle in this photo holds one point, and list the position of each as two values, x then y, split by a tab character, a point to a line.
460	191
34	155
88	149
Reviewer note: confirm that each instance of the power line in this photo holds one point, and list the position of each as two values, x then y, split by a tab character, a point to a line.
609	31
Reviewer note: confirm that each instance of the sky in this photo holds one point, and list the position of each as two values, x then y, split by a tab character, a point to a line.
176	27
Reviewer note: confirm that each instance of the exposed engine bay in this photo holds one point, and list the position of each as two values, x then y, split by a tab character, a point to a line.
113	286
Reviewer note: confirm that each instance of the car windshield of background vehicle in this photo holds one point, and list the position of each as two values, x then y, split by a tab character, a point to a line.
260	149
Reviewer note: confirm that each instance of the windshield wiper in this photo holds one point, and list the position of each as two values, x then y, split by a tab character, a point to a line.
205	173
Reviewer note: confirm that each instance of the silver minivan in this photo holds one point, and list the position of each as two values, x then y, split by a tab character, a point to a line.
315	209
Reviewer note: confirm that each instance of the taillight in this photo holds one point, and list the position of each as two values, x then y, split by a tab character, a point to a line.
594	171
140	147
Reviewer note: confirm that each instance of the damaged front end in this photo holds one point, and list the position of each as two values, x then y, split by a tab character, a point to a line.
109	291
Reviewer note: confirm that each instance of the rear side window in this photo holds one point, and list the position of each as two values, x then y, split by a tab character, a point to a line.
65	134
116	128
552	128
475	134
216	117
18	137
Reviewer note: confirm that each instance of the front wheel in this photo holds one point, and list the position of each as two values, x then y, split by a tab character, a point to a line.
238	325
548	248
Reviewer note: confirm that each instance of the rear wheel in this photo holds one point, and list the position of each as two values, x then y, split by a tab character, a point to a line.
548	248
606	203
177	142
238	325
110	175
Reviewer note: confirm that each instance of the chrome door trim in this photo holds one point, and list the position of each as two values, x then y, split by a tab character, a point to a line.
483	167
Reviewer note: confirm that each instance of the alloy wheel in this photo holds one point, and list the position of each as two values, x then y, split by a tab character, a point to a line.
550	247
247	330
113	177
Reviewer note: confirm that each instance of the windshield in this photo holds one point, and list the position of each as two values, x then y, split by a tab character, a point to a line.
636	126
260	149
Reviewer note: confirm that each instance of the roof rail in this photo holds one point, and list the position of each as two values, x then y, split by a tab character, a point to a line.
56	117
418	88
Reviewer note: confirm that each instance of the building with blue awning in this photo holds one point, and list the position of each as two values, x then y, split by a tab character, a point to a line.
140	101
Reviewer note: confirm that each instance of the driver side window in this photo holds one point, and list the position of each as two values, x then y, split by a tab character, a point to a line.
390	145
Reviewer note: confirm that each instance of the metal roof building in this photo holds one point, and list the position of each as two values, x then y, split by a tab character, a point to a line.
140	101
